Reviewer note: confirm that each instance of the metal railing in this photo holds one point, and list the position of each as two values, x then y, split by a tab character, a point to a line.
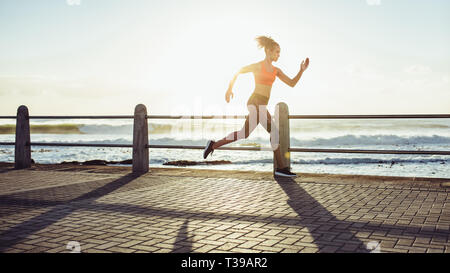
140	135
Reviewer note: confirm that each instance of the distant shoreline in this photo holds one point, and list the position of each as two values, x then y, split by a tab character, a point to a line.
44	129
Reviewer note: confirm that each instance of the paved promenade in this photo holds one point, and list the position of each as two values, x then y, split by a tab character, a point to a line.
107	209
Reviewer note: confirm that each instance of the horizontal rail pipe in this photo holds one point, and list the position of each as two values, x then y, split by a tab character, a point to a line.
368	116
358	151
81	117
72	117
196	147
7	143
196	117
73	144
412	116
81	145
203	147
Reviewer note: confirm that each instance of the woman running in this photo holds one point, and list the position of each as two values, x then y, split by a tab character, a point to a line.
265	74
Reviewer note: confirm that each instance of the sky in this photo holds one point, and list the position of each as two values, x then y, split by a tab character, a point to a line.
89	57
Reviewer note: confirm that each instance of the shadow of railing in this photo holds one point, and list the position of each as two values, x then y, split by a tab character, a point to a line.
19	232
183	243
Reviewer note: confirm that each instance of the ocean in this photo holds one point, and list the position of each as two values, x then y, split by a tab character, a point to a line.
389	134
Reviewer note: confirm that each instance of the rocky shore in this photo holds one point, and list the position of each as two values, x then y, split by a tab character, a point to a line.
129	162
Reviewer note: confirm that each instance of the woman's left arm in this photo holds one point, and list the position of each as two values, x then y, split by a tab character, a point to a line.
293	82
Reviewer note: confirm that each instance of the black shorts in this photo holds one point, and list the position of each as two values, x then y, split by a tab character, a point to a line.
258	113
257	108
257	99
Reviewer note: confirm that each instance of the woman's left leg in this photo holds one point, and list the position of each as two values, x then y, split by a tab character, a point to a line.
251	121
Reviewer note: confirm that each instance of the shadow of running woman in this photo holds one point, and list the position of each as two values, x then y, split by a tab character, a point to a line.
313	216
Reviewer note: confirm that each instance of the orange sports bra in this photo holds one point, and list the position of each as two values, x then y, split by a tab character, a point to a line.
265	77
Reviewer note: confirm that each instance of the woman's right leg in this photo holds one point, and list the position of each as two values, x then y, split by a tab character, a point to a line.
251	121
268	124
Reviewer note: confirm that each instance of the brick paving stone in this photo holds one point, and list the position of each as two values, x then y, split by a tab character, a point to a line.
244	250
121	249
309	250
307	239
38	249
272	232
393	250
147	249
387	243
329	249
289	240
45	239
269	242
250	243
228	240
290	231
130	243
234	235
106	245
94	250
267	249
254	234
411	249
326	243
289	250
85	247
434	250
13	250
306	245
348	247
226	246
152	242
404	242
422	240
24	246
205	248
94	241
214	237
439	240
50	245
103	236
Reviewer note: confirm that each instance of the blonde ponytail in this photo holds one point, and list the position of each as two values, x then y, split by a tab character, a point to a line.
266	42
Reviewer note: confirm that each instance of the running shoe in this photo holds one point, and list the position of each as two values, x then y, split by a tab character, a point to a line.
285	172
208	149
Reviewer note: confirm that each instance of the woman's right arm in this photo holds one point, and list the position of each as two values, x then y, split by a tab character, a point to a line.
245	69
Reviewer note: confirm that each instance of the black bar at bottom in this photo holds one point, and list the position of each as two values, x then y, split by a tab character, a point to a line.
235	262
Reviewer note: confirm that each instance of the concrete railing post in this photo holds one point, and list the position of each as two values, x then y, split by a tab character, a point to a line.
140	140
282	121
22	152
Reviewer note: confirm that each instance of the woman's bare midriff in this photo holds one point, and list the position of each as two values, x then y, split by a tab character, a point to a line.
262	89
